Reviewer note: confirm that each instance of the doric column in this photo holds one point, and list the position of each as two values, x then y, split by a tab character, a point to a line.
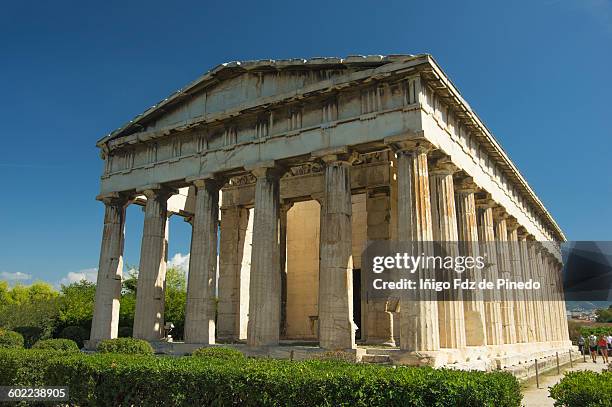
265	287
516	274
150	298
336	327
530	297
105	321
558	266
545	299
283	265
200	306
419	329
538	295
234	273
488	249
451	318
378	327
474	309
503	271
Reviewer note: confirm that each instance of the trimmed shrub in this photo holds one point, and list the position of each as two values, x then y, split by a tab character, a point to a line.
219	353
31	334
125	380
125	332
10	339
63	345
129	346
75	333
583	389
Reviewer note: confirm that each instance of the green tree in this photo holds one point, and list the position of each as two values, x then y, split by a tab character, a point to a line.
604	315
77	304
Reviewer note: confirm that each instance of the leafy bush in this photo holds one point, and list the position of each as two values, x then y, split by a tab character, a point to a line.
76	333
125	380
10	339
583	389
129	346
219	353
31	334
64	345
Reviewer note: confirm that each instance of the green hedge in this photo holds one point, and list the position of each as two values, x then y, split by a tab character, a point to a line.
219	353
10	339
125	380
583	389
63	345
129	346
75	333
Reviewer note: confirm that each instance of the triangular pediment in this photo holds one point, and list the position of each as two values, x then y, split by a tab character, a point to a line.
236	85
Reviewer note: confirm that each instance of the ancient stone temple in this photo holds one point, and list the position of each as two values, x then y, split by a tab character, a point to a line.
285	170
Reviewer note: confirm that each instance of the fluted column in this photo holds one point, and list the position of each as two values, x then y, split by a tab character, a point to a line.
516	273
451	318
234	273
486	235
150	294
283	265
105	321
474	309
503	271
378	328
564	325
419	329
336	326
530	297
265	285
538	295
200	305
545	299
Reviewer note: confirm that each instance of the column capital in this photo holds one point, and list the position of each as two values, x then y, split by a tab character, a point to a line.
157	190
443	166
485	201
512	224
114	198
265	169
410	142
522	233
499	213
466	185
209	180
336	155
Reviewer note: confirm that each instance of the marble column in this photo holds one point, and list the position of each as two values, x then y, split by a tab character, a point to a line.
503	271
516	274
105	323
537	294
451	318
474	309
488	249
265	287
200	305
377	311
564	326
530	298
545	293
234	273
283	265
150	294
419	329
336	326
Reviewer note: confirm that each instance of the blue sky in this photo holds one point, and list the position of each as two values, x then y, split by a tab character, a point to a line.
537	73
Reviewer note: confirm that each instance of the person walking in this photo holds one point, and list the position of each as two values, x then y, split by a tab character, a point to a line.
581	344
593	347
602	344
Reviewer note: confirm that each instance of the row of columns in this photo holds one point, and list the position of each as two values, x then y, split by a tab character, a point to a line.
432	206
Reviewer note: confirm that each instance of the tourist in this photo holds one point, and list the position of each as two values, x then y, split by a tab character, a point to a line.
581	344
593	347
609	342
603	348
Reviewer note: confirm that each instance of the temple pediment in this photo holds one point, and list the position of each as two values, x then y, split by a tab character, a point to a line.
239	86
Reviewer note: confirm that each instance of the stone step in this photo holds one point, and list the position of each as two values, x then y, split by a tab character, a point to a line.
375	358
